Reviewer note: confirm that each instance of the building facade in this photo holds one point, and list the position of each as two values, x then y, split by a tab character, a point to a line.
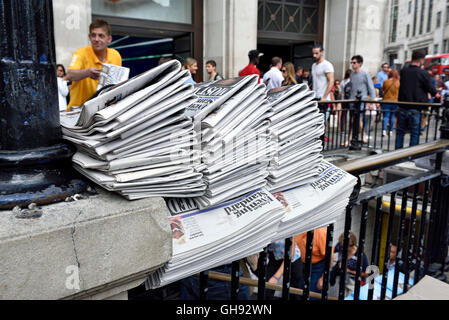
225	30
416	25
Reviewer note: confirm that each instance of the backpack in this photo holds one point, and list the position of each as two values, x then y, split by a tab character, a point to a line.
347	90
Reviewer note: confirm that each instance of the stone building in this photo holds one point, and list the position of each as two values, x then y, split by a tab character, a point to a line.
413	25
225	30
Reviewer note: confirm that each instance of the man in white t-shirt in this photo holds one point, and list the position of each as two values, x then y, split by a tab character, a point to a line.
273	78
322	74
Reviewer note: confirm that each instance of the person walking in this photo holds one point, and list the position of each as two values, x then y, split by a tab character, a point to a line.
299	73
360	82
391	93
211	68
254	59
273	78
288	72
382	75
322	78
84	69
415	86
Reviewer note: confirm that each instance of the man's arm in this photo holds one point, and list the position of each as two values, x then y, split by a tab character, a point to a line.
330	84
77	75
428	82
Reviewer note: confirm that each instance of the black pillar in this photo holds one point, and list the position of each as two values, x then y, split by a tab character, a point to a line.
34	161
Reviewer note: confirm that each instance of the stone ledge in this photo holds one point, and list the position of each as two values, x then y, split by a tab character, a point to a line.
105	238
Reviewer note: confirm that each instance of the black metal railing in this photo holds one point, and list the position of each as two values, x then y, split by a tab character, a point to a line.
376	128
414	240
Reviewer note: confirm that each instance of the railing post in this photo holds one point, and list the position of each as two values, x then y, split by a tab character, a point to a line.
355	143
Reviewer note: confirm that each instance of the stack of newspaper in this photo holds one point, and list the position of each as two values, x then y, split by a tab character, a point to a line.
134	138
205	239
316	204
232	118
297	126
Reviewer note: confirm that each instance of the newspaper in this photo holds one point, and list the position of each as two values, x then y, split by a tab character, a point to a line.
112	74
204	239
316	204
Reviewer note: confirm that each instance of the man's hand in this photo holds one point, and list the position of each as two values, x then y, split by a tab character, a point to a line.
273	280
93	73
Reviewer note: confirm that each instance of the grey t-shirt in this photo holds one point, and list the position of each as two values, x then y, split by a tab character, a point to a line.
362	81
319	78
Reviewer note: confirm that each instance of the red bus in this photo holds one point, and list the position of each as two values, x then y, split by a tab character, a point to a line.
438	63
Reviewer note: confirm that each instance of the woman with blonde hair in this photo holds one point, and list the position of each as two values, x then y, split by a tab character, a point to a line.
192	65
288	72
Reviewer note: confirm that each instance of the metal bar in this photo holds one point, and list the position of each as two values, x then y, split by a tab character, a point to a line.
370	163
287	269
308	265
411	238
437	119
397	185
262	274
203	285
375	130
360	250
400	242
327	261
376	236
344	260
387	246
235	275
406	103
422	229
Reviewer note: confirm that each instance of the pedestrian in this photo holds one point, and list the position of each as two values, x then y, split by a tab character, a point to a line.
322	78
415	86
273	78
391	93
254	59
382	75
288	72
192	65
306	78
63	89
318	257
84	69
299	73
211	68
362	83
351	265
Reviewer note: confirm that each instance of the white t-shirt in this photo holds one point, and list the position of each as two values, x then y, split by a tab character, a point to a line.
319	78
276	78
63	91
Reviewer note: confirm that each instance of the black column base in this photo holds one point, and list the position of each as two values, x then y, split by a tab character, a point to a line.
40	176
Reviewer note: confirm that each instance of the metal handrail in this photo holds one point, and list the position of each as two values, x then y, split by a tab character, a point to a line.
419	104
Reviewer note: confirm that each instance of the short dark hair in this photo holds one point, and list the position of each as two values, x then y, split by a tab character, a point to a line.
418	55
318	45
100	23
212	63
275	61
358	58
299	68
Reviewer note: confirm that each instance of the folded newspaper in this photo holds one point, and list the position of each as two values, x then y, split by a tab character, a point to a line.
134	138
204	239
296	126
112	74
231	116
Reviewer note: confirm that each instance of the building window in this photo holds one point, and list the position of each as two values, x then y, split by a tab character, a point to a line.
394	21
435	48
405	55
438	19
445	48
447	15
421	19
429	16
415	17
407	32
409	7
